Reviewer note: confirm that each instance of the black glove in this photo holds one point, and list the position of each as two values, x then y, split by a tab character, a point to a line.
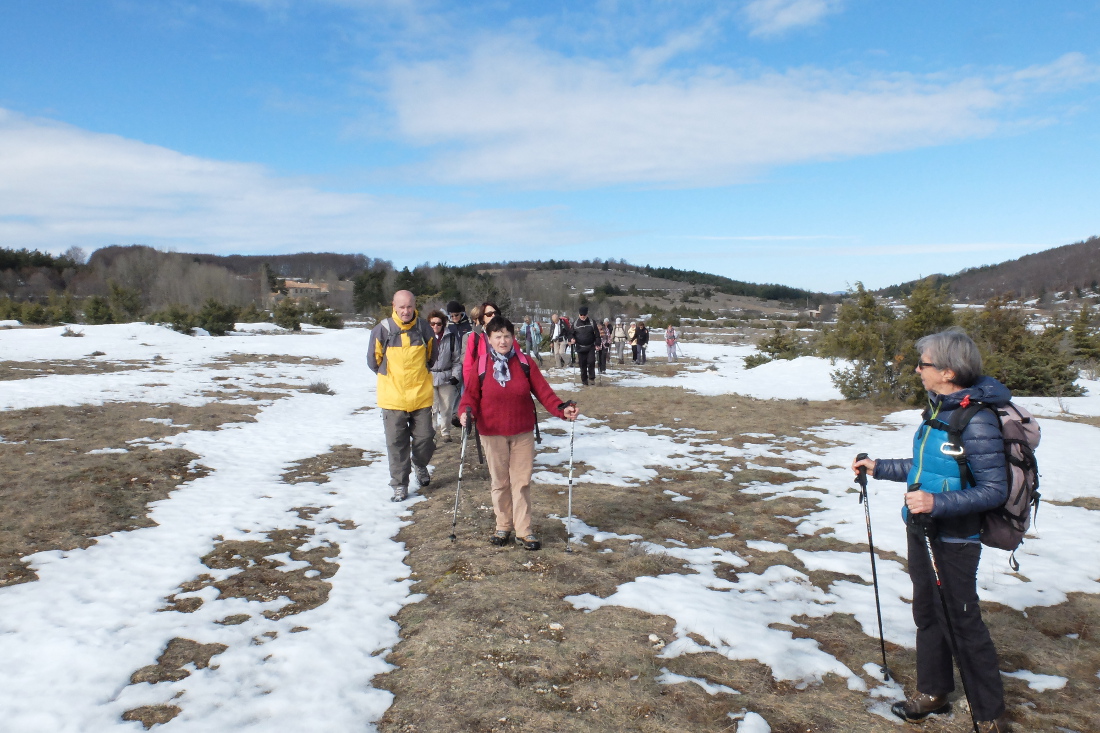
454	380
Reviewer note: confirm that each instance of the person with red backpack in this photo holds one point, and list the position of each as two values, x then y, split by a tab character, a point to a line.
498	396
944	508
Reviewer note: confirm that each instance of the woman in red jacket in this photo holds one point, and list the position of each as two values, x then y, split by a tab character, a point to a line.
498	392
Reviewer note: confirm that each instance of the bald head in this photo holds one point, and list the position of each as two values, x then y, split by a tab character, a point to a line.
404	304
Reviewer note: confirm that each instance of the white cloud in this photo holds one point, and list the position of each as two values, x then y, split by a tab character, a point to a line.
63	186
513	114
775	17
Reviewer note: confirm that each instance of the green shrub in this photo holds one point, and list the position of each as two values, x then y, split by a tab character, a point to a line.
216	318
97	311
178	318
251	314
125	302
60	308
326	318
34	314
287	315
9	310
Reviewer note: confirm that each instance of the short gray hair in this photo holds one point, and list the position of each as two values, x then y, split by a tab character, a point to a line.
953	349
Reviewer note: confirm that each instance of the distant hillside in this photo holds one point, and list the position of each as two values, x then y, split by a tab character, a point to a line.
1054	270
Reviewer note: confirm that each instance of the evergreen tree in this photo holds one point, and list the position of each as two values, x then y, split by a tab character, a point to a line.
867	334
368	290
287	315
216	318
125	302
928	311
1027	363
1086	344
97	310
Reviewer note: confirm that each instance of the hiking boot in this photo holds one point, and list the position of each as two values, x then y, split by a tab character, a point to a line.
447	438
1000	725
920	706
422	475
400	493
500	538
530	542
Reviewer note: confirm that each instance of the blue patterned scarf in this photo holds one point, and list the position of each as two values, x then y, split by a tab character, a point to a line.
500	365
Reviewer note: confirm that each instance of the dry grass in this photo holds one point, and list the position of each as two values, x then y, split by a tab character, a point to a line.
10	370
494	629
231	360
315	469
53	495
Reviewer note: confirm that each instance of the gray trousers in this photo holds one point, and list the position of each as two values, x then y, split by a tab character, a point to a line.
446	395
408	432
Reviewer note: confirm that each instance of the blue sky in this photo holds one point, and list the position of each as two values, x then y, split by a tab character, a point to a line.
808	142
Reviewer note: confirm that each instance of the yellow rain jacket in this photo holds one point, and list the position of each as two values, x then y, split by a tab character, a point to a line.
400	354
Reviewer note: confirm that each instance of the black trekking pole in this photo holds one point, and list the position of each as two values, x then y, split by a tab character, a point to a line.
461	462
569	521
861	479
477	439
923	523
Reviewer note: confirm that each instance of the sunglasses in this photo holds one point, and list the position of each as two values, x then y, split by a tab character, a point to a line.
488	314
926	364
437	324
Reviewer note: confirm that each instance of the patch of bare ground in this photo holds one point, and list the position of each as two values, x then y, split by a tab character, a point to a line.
1084	502
315	469
230	360
262	577
493	647
1093	420
170	667
56	495
11	370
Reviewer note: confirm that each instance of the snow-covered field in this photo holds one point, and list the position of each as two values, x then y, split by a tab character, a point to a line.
71	639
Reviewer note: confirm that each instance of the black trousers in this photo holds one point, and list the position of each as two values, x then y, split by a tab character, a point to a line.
601	360
587	360
958	567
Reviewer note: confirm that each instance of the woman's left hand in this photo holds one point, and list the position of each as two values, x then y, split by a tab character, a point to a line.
920	502
571	412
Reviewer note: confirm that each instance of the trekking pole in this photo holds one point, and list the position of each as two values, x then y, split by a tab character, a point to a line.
922	522
569	522
461	462
861	479
477	439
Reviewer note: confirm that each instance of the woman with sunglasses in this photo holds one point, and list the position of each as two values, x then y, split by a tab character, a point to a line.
476	343
943	511
446	372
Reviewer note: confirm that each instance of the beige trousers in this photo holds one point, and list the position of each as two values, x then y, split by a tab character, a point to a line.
510	459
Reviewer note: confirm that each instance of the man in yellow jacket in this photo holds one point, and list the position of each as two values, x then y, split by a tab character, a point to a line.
400	352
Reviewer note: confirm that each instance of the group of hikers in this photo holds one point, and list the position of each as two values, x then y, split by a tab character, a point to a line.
424	368
589	344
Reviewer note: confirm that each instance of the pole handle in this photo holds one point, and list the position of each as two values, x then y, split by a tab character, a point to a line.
861	478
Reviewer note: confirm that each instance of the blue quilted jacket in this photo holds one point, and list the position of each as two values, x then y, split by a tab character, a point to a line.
957	505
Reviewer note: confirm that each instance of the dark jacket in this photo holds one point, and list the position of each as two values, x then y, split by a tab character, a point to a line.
641	335
448	358
957	504
585	334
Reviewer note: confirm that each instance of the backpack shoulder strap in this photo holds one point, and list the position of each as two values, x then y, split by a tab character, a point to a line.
955	427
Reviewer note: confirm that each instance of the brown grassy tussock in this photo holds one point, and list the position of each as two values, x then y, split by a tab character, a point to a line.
493	647
54	495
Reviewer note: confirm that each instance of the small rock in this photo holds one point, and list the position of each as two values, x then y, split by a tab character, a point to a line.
556	627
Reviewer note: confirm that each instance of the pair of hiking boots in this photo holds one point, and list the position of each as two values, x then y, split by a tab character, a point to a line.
921	705
502	537
400	493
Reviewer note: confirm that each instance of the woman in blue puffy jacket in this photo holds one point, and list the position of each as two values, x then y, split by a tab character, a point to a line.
949	508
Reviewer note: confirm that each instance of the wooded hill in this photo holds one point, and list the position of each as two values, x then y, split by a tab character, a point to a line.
1058	270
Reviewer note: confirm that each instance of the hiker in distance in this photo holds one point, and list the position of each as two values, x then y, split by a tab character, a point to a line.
619	337
943	517
670	342
586	338
532	338
446	371
641	337
401	351
498	393
559	337
603	348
